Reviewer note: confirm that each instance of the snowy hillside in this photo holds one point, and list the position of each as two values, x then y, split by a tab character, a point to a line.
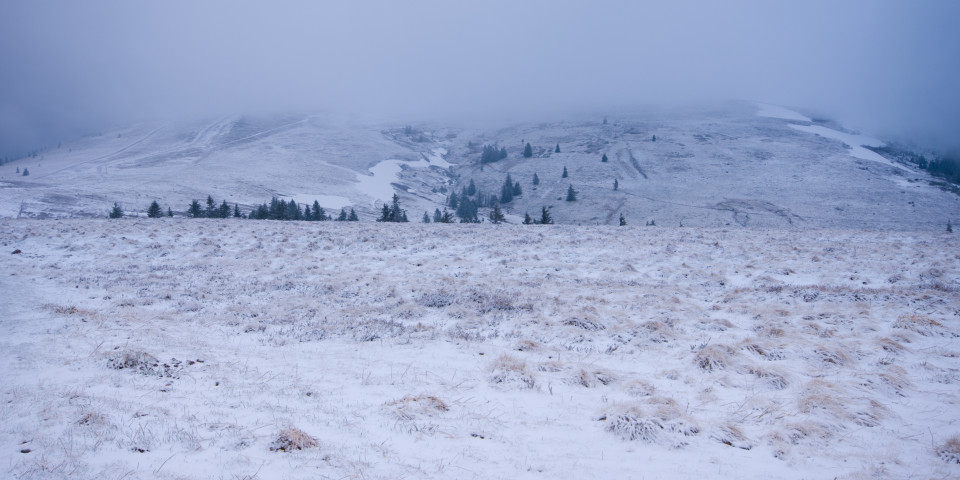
178	348
739	165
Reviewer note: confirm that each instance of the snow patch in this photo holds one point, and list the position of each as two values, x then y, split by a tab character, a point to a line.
856	142
382	175
776	111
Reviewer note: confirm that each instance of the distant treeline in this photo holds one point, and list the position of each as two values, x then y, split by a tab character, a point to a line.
946	166
277	209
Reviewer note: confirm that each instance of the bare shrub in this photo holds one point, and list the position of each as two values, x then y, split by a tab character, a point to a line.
490	301
584	323
292	439
439	299
508	370
949	450
144	364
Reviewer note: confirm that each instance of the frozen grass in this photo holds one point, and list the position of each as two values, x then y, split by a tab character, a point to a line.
200	349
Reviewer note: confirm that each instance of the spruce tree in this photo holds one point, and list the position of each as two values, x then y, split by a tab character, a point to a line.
557	150
426	217
236	211
496	215
506	190
26	171
224	211
616	184
437	216
319	214
571	194
343	215
471	189
526	218
211	207
527	151
308	213
565	175
654	138
536	179
517	191
116	212
545	218
195	210
623	221
604	159
384	214
169	212
154	210
353	216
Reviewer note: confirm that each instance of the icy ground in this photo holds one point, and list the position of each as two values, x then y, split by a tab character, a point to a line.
213	349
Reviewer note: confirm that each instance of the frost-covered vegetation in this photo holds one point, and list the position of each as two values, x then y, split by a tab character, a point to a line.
175	348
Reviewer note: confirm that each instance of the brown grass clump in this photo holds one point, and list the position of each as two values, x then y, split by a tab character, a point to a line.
508	370
714	357
292	439
921	324
949	450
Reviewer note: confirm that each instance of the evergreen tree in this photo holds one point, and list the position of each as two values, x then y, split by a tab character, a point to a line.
236	211
453	200
195	211
18	169
564	172
426	217
353	216
491	154
506	190
536	179
604	158
503	153
471	189
224	210
384	214
467	211
293	211
623	221
654	138
437	216
527	151
282	210
949	227
117	212
557	150
545	218
319	214
154	210
343	215
26	171
526	219
447	217
308	213
496	215
571	194
517	191
169	212
616	184
211	207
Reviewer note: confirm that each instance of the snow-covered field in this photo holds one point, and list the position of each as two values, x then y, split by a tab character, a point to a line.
181	348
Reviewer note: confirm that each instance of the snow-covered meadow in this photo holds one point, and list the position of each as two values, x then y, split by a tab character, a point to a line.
178	348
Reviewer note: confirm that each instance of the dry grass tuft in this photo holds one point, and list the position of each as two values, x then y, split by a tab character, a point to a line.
714	357
591	379
292	439
665	425
731	436
949	450
921	324
508	370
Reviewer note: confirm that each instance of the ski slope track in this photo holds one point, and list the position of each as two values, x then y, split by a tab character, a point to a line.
739	165
177	348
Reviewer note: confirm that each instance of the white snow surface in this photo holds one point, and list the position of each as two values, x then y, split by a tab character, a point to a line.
475	351
854	141
776	111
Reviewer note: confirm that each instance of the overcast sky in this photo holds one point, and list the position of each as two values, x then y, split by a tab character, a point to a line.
67	66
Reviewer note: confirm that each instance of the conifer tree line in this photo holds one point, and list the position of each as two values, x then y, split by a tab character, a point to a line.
277	209
491	154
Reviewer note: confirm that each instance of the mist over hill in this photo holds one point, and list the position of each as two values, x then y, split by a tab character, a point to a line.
736	164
